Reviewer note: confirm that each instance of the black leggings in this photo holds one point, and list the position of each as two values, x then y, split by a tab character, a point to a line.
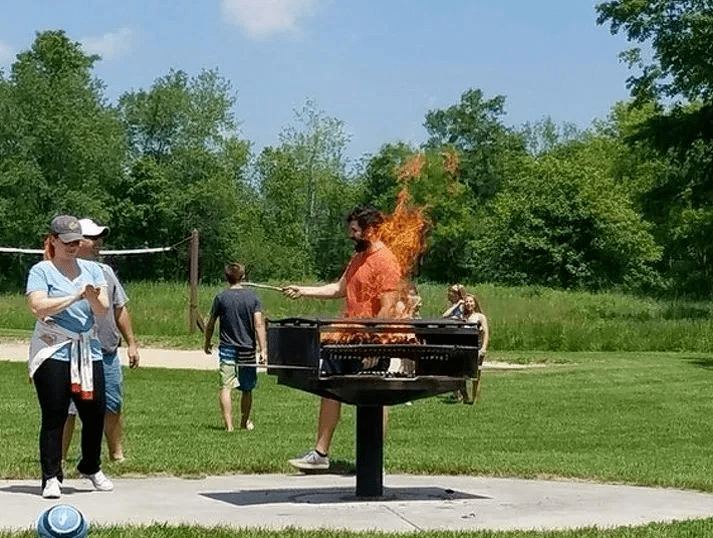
52	384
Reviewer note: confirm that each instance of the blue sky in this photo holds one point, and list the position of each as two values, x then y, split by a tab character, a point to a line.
379	66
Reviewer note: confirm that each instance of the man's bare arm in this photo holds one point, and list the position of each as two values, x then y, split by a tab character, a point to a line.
261	336
335	290
123	322
208	335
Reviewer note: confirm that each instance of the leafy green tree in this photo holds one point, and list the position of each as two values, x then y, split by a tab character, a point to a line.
543	136
679	32
60	144
487	148
186	171
307	192
432	179
680	196
378	176
449	204
565	224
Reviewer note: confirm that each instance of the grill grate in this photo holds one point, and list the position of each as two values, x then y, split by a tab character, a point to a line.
393	351
390	360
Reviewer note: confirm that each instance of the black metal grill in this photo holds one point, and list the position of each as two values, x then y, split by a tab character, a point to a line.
353	361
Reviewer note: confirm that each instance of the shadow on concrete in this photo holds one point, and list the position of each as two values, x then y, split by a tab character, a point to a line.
335	495
36	491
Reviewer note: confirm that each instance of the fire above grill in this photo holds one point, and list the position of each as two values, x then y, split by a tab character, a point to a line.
371	363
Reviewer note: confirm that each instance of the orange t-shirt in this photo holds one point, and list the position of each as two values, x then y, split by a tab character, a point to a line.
368	276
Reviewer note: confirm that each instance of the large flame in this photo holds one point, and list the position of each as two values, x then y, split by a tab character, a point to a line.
404	232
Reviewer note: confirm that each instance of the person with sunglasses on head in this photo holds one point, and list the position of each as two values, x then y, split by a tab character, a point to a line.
66	294
110	328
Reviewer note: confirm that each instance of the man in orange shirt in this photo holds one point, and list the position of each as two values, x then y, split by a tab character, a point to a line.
370	284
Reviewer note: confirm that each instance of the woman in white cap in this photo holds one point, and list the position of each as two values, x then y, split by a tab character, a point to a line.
65	294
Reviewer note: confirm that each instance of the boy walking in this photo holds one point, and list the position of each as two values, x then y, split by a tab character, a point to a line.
241	326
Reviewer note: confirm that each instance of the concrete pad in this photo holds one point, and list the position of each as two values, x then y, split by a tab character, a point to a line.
410	503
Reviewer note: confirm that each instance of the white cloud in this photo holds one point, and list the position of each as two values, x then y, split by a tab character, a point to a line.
110	45
260	18
7	55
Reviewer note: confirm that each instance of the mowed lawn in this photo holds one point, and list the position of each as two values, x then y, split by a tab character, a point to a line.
583	409
639	418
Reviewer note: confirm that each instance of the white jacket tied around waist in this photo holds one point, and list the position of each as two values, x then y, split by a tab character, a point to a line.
48	338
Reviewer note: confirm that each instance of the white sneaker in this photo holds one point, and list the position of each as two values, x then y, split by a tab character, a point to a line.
52	489
249	425
311	460
100	481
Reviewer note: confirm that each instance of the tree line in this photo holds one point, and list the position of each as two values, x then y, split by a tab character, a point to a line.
626	203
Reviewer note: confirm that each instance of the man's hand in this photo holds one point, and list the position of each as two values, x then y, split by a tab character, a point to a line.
133	353
262	357
293	292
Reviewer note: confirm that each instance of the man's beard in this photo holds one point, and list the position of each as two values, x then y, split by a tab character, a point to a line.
360	245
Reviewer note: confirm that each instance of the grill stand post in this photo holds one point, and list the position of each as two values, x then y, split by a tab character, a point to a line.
369	450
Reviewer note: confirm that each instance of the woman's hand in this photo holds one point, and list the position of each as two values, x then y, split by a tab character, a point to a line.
97	298
89	292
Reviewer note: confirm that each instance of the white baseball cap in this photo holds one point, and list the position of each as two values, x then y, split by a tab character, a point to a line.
92	229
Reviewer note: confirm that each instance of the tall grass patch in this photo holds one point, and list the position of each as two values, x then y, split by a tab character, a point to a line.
520	318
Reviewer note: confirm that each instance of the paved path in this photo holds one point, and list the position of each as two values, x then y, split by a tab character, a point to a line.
162	358
173	358
327	500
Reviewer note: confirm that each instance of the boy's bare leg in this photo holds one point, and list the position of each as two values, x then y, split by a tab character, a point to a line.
113	434
246	403
226	407
329	412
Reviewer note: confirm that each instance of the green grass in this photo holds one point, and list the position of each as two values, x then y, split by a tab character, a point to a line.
522	318
639	418
683	529
592	412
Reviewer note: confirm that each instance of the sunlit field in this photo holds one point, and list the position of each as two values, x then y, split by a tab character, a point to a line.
521	318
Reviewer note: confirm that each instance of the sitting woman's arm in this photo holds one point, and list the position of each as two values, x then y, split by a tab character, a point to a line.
450	311
484	332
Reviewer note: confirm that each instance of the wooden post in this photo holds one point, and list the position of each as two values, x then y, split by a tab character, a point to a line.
193	281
